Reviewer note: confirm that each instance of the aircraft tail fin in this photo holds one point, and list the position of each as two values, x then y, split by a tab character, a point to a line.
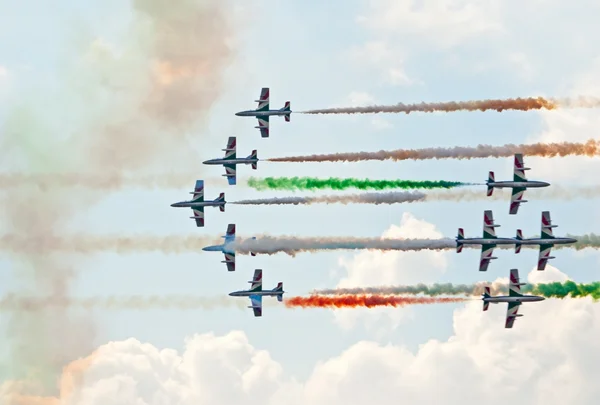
287	107
486	294
459	237
221	199
491	179
254	155
279	289
518	238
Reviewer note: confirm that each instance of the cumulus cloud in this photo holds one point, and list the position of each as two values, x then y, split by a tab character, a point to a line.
548	358
385	268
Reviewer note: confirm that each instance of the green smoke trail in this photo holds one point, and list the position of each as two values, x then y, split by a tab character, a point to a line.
336	183
548	290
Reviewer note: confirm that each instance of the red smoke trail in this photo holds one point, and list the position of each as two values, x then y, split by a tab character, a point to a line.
368	301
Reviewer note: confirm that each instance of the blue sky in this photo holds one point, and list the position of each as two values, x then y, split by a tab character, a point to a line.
316	55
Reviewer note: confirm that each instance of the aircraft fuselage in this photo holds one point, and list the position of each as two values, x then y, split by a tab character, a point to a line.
218	248
194	204
254	113
246	293
485	241
518	184
236	161
553	241
506	298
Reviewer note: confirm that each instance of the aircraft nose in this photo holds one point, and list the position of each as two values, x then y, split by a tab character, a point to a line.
205	162
237	113
230	294
174	205
205	249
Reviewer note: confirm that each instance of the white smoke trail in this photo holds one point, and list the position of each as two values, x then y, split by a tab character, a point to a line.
393	197
590	148
292	245
12	302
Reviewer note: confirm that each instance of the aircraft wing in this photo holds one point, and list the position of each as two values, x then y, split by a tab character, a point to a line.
514	285
486	256
516	199
198	216
263	126
256	301
519	168
229	260
256	283
263	101
230	173
512	314
544	256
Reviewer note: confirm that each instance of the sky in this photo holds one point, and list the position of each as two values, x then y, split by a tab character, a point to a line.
150	87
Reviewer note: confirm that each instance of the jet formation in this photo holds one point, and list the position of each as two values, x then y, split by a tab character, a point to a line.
488	241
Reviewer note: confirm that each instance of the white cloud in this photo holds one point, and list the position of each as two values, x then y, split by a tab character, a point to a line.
550	275
444	23
549	357
386	59
373	268
360	98
3	72
380	123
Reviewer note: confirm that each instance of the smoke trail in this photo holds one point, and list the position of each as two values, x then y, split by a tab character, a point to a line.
396	197
568	289
520	104
366	198
88	244
312	183
265	244
100	181
368	301
12	302
548	290
103	108
589	148
292	245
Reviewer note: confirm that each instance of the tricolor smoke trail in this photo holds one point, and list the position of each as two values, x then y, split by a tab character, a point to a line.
334	183
589	148
368	301
519	104
548	290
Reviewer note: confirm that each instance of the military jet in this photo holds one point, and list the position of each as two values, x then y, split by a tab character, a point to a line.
262	112
255	293
229	161
546	241
518	185
488	242
514	298
197	203
226	248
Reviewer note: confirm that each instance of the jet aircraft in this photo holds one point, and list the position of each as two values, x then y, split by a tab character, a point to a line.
262	112
197	203
488	242
518	185
226	248
514	298
229	161
255	293
546	241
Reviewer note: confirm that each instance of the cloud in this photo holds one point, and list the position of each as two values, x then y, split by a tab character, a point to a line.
369	268
443	23
386	59
553	345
